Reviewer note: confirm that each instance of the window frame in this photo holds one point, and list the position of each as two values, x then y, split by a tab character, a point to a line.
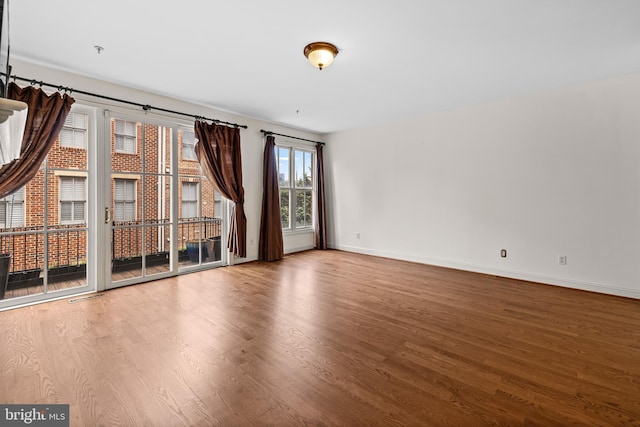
72	200
293	188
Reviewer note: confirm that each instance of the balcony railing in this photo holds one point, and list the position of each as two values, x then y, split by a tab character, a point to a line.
25	245
127	236
67	246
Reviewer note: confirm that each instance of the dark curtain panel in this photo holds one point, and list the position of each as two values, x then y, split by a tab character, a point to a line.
321	219
218	151
45	119
271	247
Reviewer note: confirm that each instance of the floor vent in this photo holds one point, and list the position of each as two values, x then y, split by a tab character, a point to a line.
75	300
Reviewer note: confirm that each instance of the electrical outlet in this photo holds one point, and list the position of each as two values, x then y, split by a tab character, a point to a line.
562	260
357	235
503	253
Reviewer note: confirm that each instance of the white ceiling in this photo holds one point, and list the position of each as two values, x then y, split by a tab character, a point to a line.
397	58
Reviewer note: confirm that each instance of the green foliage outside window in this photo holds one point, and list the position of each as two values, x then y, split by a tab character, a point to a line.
297	165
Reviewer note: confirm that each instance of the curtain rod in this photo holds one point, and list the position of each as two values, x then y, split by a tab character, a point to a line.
145	107
268	132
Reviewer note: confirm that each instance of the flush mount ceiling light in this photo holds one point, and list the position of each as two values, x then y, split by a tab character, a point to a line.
320	54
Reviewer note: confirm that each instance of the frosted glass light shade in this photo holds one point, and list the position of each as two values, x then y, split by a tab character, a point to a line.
13	117
320	54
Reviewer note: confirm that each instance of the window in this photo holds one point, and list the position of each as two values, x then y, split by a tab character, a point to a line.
124	200
74	131
12	210
188	145
125	134
295	179
189	200
72	200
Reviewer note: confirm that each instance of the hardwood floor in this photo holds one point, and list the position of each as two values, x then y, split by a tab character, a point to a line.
329	338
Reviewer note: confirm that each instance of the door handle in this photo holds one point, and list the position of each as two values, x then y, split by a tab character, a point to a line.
107	215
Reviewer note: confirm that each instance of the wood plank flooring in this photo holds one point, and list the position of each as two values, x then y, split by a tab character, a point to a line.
329	338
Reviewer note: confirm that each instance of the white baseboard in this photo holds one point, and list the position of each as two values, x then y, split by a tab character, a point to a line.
299	249
531	277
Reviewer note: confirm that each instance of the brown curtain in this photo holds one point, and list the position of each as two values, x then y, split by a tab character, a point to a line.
271	247
218	151
321	219
45	119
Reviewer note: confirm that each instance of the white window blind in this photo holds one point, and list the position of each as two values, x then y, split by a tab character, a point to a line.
12	210
189	200
74	131
125	200
125	136
188	146
72	199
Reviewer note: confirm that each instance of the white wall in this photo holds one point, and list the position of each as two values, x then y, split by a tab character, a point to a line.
251	139
552	174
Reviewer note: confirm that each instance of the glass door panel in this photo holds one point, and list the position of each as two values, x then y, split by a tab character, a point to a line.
200	224
44	225
140	201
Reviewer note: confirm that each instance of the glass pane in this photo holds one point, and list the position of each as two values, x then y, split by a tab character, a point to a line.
126	246
65	158
189	230
200	222
284	208
67	266
78	211
308	169
59	185
12	210
299	168
157	149
124	136
65	212
66	137
199	250
303	208
283	166
304	169
186	140
25	249
157	249
200	236
189	209
79	138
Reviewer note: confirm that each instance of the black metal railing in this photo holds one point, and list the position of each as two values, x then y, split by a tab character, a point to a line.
198	229
127	236
26	249
67	244
24	245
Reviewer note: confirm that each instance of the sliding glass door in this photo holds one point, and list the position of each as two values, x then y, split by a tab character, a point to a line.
120	199
141	200
164	215
200	224
46	226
